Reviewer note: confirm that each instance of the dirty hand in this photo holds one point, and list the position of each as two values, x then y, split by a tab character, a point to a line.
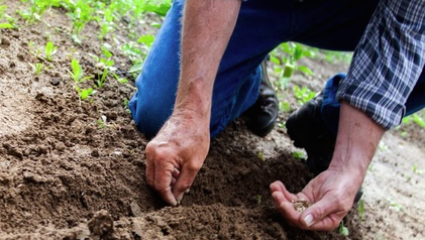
331	194
176	154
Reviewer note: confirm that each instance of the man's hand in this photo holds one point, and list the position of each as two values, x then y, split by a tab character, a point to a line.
332	192
176	155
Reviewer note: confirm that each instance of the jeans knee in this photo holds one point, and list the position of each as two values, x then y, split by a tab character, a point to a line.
148	115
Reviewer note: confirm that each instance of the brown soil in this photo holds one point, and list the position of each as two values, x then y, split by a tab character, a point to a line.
65	176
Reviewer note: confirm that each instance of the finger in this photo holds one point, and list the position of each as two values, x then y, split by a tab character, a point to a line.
323	215
150	169
185	180
163	180
302	197
280	187
327	224
176	173
288	211
278	199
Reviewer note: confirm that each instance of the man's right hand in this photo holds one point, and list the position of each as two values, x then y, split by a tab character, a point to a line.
175	156
177	153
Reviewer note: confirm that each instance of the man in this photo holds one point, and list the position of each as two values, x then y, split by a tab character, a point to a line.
204	71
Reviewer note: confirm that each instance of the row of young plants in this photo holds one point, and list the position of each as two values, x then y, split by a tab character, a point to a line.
106	14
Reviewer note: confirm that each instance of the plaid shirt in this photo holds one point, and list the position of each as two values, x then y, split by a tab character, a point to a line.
387	62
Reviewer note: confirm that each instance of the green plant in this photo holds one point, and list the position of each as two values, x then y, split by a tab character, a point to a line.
104	64
101	123
81	13
50	50
394	205
147	40
261	156
303	95
38	68
125	105
286	57
284	106
77	75
361	209
416	170
419	120
120	80
299	155
5	25
37	9
343	230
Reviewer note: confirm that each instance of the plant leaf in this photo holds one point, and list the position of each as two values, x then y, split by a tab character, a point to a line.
305	70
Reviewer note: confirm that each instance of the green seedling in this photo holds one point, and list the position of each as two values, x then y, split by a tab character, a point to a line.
125	102
77	72
394	205
343	230
284	106
120	80
84	93
37	9
2	10
419	120
281	125
101	123
146	40
50	50
5	25
258	197
361	209
261	156
299	155
38	68
416	170
292	53
106	64
81	13
303	95
78	77
382	146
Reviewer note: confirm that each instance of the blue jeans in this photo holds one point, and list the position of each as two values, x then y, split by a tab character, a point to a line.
261	26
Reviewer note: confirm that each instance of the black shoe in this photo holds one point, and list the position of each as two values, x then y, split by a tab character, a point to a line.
261	117
308	130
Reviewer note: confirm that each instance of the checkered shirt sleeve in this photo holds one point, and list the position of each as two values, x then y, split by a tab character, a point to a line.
387	61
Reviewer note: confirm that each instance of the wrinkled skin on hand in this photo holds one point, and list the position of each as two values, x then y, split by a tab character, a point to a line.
331	194
175	156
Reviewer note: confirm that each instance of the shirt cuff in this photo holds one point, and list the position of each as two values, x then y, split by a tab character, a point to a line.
372	100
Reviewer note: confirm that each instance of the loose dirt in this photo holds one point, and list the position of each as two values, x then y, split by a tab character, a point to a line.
65	176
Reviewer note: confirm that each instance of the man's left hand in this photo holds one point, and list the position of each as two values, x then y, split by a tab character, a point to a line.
331	194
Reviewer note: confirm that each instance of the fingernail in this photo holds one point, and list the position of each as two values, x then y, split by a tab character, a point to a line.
179	199
308	220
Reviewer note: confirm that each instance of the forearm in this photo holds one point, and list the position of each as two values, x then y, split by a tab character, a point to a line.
357	140
207	27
